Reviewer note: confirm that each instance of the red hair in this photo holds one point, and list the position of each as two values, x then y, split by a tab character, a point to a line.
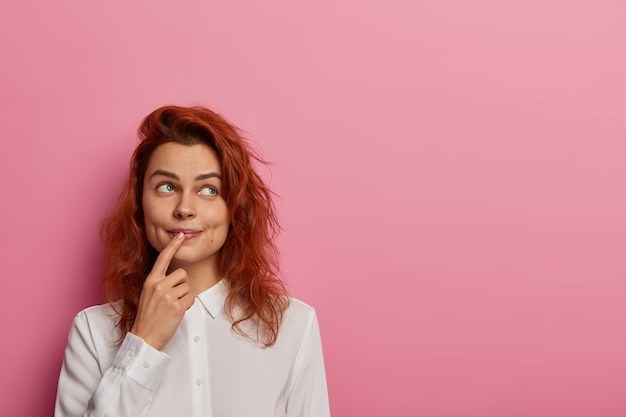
249	258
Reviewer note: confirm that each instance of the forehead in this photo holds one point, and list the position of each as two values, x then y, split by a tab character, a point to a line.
180	159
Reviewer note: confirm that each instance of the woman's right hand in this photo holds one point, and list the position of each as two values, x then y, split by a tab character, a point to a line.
164	299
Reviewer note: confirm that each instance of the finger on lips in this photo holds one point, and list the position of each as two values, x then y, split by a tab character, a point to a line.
167	254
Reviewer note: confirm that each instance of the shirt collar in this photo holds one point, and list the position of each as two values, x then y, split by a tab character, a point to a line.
214	297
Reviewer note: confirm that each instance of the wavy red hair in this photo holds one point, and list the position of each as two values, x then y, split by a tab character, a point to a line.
249	258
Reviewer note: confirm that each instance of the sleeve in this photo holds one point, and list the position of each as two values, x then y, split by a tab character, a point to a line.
125	389
309	394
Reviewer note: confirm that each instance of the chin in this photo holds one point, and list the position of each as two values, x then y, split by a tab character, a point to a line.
191	258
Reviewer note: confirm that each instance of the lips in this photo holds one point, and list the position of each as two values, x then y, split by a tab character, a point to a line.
189	233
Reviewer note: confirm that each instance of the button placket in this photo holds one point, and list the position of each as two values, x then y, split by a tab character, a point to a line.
196	339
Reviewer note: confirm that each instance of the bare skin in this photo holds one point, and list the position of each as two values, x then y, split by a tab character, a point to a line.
164	299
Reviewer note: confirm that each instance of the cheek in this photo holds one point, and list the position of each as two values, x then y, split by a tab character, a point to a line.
148	227
148	215
150	223
153	213
217	216
146	208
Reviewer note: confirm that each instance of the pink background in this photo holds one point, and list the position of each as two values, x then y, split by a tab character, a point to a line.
451	180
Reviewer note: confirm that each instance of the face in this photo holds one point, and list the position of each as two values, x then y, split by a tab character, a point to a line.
182	193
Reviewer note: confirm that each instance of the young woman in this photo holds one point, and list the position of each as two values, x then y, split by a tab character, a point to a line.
197	321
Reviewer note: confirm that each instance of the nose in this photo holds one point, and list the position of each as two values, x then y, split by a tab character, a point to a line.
185	209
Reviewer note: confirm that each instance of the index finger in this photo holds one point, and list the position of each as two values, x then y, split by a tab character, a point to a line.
165	257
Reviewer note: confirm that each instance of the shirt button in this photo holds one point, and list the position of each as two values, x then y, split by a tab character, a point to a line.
146	364
131	353
196	339
199	381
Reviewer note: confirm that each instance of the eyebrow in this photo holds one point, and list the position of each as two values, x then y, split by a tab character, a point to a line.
173	176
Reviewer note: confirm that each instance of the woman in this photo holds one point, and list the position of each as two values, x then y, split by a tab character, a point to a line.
197	321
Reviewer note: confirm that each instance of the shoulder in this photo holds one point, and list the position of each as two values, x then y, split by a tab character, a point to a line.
299	308
298	320
97	312
98	319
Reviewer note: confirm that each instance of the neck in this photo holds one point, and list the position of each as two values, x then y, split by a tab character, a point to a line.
202	275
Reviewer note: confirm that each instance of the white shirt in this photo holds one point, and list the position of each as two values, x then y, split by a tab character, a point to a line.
205	370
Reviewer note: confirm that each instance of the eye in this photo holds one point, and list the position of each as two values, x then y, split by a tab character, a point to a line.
165	188
208	190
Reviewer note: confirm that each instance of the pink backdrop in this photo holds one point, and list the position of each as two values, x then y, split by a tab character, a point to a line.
451	181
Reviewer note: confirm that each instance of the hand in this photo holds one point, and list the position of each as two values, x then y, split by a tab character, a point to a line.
164	299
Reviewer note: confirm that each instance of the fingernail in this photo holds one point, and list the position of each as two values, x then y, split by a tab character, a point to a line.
180	235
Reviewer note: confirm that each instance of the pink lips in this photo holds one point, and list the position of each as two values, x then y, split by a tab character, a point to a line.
189	233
